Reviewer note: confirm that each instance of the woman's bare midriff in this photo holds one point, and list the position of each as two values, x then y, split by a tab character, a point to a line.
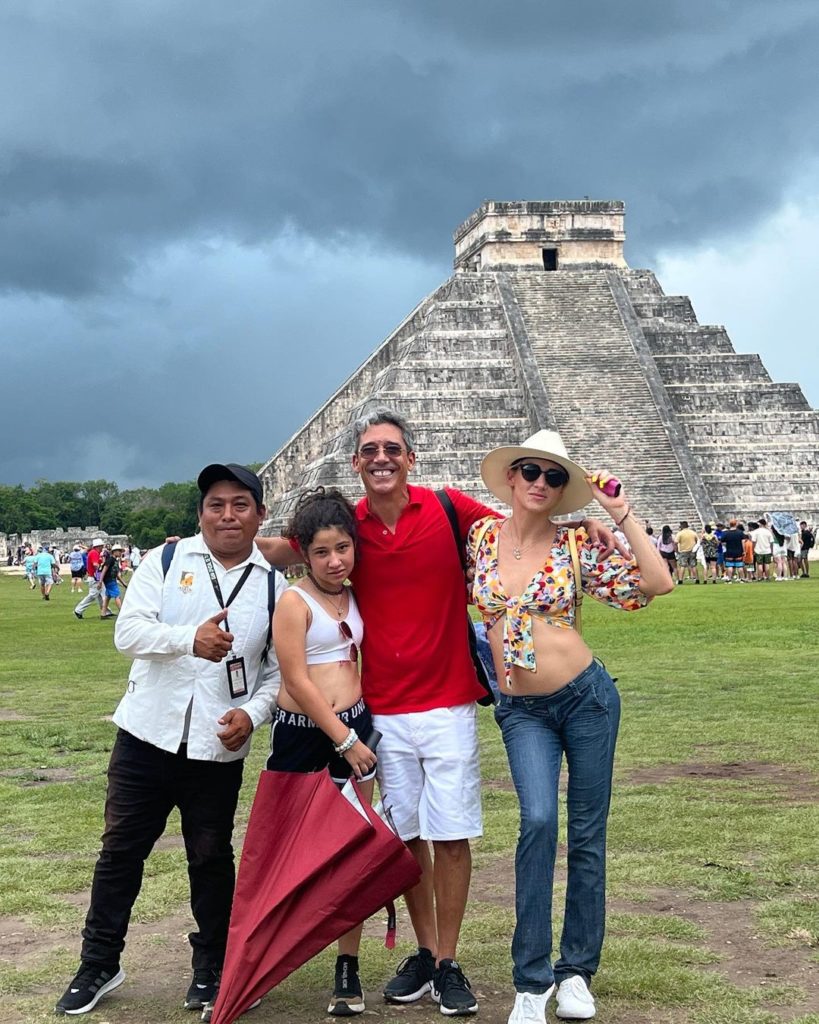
338	682
560	655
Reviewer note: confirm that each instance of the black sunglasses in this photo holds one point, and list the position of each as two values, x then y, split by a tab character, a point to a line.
347	633
530	471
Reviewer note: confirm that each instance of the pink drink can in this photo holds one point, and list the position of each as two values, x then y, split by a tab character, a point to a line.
611	487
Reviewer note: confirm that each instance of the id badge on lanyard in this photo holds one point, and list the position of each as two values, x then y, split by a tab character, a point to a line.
237	679
235	666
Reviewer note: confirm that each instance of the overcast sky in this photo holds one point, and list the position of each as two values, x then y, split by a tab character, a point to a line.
211	213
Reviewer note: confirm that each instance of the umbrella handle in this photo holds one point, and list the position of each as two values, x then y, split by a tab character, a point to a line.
372	739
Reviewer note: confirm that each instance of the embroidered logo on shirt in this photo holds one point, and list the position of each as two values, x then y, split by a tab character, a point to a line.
186	582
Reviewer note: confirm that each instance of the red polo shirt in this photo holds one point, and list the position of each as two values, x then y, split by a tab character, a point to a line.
411	592
93	562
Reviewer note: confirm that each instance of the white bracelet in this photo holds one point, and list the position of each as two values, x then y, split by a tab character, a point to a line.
350	741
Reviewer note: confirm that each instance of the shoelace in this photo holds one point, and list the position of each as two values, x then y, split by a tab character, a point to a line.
460	979
408	963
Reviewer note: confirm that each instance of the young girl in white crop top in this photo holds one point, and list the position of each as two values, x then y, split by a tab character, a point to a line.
321	721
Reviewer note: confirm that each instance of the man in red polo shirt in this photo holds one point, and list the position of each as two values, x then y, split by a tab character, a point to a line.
419	682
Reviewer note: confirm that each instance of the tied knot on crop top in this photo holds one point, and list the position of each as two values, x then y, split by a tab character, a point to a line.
550	594
324	641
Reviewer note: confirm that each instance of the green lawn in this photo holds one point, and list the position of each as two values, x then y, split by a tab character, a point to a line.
713	831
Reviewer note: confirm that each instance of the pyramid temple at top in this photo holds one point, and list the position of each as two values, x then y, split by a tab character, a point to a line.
543	325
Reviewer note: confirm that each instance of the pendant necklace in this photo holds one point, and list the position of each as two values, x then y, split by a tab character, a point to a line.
518	549
330	593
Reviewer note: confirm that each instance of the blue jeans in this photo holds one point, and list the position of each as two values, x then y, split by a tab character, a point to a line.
580	721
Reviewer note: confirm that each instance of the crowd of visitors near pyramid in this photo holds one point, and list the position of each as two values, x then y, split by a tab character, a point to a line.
736	552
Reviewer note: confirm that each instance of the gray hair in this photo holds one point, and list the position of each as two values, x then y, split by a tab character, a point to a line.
374	418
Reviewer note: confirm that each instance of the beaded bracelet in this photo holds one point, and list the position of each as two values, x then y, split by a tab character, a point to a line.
350	741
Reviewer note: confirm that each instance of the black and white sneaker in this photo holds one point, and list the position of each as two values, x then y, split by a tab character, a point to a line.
90	984
203	987
348	997
450	989
207	1009
413	979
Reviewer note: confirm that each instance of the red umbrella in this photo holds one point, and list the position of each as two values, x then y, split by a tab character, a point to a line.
313	866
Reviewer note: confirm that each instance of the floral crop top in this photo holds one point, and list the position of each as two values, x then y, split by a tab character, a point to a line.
551	593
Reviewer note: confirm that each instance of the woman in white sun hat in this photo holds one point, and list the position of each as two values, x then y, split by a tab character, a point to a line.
556	698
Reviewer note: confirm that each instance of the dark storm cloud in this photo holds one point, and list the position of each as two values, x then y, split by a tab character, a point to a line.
162	121
192	190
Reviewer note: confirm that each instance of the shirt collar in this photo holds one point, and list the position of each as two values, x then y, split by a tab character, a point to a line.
254	558
363	512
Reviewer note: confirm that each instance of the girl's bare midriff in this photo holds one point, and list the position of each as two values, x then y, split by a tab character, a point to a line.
338	681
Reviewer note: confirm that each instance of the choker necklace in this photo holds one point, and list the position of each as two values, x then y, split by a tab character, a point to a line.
324	590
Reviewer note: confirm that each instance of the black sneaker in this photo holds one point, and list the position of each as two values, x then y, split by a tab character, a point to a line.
451	991
348	998
207	1009
90	984
413	978
203	987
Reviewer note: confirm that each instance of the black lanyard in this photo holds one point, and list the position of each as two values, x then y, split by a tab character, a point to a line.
218	590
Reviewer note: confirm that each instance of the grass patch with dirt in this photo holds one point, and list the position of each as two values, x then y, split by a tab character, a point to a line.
713	855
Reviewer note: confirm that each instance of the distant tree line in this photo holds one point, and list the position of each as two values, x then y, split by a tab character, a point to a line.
147	515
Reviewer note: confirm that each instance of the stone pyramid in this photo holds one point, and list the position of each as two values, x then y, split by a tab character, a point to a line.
543	324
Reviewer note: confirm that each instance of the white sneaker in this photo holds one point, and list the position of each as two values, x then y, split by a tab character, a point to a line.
574	1001
530	1008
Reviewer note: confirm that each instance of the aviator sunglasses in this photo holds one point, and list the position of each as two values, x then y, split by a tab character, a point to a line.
391	449
530	471
347	633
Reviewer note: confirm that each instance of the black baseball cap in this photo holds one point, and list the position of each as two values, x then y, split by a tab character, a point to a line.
230	471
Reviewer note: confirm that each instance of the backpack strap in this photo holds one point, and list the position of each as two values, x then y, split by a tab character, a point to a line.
167	556
578	578
452	516
271	607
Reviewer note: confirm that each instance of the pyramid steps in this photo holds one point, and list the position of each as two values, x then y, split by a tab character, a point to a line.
753	439
718	368
447	370
625	372
597	388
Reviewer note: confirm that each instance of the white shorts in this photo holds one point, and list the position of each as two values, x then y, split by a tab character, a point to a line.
428	772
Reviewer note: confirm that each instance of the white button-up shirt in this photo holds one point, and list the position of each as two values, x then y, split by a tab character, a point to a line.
157	626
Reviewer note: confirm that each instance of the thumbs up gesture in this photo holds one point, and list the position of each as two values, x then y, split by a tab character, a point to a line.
211	642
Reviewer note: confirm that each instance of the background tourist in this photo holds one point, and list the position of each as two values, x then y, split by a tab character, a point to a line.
667	548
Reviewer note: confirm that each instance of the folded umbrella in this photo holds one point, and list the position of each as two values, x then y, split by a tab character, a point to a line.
314	864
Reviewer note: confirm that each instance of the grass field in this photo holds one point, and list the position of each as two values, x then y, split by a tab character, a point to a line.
713	858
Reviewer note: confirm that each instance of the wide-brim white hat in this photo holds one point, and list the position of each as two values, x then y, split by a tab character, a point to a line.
544	444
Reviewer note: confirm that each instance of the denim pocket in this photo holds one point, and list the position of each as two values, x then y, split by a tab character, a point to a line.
502	711
598	695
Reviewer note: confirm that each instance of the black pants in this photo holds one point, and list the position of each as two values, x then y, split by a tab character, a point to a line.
144	784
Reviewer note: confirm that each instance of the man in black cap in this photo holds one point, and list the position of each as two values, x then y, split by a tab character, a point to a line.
196	621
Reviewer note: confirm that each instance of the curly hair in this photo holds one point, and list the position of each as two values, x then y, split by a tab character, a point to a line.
320	509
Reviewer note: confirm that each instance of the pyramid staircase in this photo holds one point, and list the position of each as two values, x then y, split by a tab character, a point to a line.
755	443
